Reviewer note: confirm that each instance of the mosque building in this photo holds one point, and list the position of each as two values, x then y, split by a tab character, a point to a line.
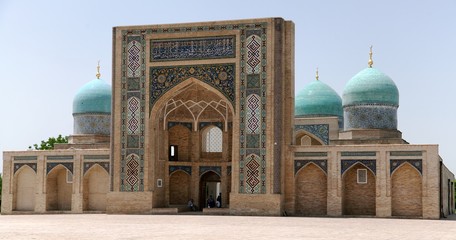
201	110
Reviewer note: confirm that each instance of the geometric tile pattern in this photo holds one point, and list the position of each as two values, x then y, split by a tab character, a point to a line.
298	164
219	76
371	164
253	169
253	114
370	117
252	165
133	115
253	54
132	112
185	124
396	163
92	123
193	48
18	166
132	180
358	154
320	131
205	169
134	59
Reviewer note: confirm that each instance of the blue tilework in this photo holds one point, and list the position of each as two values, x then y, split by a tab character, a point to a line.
370	117
205	169
298	164
346	164
416	163
319	130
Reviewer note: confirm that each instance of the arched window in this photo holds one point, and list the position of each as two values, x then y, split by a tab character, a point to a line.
212	139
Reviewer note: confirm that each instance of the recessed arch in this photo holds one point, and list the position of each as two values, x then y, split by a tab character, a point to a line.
179	188
406	191
95	188
311	191
210	186
58	189
358	198
24	189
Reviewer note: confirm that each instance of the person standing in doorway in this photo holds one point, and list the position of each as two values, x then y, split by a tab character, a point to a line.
219	200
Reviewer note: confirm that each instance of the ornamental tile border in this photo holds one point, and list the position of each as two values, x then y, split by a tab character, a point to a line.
321	163
52	165
205	169
187	169
416	163
18	166
346	164
88	165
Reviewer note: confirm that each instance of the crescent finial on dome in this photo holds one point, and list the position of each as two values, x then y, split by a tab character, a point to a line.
98	70
316	75
370	62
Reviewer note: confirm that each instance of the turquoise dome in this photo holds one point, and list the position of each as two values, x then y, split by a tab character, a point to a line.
370	86
318	99
93	97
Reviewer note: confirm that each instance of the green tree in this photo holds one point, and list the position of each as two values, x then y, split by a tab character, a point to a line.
49	144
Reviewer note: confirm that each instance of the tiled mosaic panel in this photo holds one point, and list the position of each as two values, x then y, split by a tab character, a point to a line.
370	117
67	165
321	131
205	124
252	167
193	48
132	107
88	165
298	164
92	124
219	76
18	166
25	158
205	169
346	164
185	124
416	163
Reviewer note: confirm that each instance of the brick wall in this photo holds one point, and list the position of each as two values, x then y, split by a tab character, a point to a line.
179	187
180	136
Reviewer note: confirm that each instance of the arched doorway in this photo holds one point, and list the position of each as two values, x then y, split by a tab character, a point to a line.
59	189
179	188
311	191
96	186
25	188
359	191
406	192
210	186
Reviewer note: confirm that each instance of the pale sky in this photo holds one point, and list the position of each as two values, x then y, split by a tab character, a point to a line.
49	49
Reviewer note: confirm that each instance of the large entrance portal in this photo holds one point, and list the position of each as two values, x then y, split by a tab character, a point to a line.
210	187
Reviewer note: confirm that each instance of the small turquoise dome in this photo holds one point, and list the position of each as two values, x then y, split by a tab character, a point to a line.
370	86
93	97
318	99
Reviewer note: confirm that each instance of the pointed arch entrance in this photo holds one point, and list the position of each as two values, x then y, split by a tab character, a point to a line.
210	187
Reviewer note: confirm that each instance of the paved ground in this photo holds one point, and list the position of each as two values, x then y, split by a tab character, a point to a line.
101	226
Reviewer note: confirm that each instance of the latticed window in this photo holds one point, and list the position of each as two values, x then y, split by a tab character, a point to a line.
212	139
362	176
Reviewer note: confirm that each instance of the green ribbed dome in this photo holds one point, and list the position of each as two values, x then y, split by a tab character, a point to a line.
370	86
318	99
93	97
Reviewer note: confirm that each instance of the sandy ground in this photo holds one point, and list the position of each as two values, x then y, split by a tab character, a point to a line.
102	226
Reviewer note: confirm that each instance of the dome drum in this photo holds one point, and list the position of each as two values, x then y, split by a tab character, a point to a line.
92	123
370	117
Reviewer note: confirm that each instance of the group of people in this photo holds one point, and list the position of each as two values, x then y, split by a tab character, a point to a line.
210	203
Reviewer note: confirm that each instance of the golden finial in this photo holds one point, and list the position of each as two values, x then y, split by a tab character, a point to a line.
370	62
98	70
316	75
